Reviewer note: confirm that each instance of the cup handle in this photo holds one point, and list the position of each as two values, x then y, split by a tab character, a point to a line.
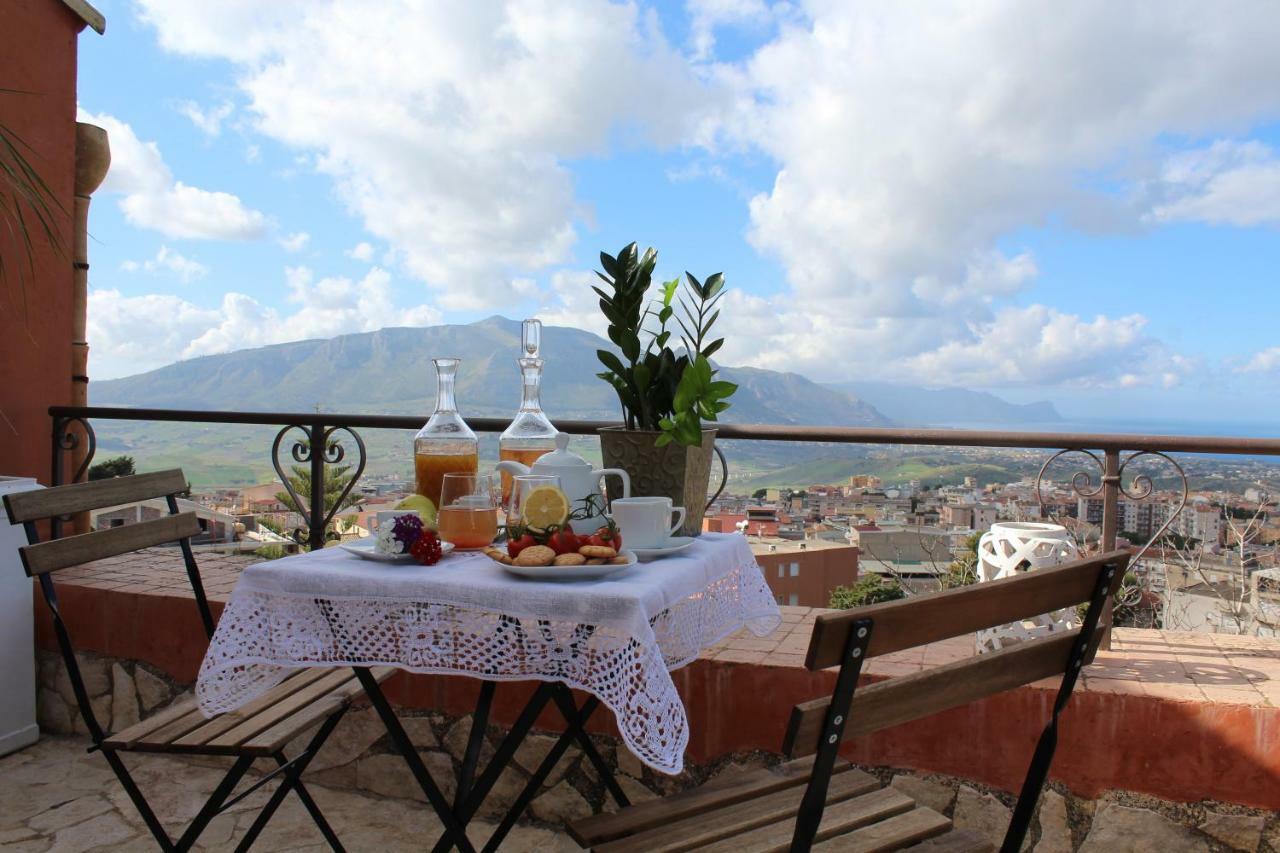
678	510
617	472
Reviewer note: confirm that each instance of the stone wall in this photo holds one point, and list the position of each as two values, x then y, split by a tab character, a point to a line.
359	755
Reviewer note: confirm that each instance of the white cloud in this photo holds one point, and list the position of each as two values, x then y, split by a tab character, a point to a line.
705	16
209	122
1228	183
1263	361
153	199
184	268
910	146
362	252
572	302
130	334
295	242
447	127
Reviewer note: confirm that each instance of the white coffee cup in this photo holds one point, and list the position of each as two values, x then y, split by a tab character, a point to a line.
645	522
388	516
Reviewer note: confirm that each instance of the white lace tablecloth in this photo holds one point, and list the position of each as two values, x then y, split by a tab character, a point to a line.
616	638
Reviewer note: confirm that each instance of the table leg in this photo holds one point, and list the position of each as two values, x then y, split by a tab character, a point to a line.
577	718
564	701
501	758
479	722
454	828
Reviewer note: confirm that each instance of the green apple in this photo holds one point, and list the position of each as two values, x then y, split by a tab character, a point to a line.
423	506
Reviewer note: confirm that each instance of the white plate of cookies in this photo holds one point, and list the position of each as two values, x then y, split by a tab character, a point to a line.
542	563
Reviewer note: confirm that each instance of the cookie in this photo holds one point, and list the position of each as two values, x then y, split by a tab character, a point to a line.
619	560
569	560
595	562
499	555
601	551
535	555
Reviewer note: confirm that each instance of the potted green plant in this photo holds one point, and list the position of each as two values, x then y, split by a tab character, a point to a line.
666	393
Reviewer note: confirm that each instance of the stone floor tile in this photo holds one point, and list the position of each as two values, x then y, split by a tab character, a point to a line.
57	797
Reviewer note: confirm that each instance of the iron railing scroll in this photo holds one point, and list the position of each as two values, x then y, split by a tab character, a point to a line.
317	447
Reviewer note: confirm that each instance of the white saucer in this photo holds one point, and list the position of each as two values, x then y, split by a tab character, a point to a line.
674	545
570	573
364	548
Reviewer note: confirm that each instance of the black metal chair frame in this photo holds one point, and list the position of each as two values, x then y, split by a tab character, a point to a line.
814	801
288	769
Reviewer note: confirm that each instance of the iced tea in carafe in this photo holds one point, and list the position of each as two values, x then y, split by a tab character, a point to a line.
530	434
445	444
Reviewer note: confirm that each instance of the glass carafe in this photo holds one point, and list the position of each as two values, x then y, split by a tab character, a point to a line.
445	444
530	434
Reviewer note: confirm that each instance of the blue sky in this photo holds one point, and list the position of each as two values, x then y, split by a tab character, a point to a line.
1071	206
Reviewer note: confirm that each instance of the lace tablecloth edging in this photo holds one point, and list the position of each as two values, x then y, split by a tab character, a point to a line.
264	634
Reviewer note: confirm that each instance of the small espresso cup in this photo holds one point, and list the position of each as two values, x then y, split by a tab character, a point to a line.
646	522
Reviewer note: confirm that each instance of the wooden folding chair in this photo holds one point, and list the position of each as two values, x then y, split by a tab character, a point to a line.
260	729
818	799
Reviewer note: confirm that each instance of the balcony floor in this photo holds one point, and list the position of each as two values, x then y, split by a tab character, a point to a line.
57	797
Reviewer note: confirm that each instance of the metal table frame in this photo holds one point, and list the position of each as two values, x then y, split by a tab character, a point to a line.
473	790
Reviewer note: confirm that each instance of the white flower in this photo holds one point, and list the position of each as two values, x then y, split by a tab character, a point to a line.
387	543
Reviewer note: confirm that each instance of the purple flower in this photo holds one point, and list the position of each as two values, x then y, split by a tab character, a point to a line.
407	529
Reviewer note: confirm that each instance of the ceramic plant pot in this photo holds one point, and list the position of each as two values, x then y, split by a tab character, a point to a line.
673	471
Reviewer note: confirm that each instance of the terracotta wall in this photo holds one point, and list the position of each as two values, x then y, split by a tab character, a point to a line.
38	57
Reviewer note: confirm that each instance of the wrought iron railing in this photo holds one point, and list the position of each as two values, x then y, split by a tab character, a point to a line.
1113	455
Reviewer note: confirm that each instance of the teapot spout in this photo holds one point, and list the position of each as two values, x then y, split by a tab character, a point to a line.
512	467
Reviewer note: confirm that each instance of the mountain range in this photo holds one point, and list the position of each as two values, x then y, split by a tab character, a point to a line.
390	372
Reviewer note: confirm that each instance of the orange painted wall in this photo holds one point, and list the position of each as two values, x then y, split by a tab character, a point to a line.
38	57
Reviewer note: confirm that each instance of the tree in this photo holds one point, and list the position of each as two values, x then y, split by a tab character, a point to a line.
117	466
334	484
964	568
868	590
759	494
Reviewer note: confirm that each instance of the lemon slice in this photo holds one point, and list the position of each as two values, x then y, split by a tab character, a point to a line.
544	507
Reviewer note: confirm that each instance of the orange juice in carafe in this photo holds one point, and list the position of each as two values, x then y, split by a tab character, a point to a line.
445	443
430	468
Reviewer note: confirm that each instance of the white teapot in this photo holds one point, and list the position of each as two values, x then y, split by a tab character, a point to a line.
577	478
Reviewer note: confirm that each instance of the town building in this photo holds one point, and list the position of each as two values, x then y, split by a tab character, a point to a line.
804	573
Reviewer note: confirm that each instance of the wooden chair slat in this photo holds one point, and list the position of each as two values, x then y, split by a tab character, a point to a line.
910	697
955	841
272	740
695	831
215	726
99	544
893	833
179	717
278	710
719	792
837	820
78	497
922	619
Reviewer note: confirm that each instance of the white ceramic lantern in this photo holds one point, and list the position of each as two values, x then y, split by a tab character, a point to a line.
1010	547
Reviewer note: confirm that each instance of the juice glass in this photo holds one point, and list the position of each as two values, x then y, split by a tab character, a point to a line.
522	485
468	514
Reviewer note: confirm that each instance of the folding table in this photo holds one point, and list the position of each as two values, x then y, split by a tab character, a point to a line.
616	639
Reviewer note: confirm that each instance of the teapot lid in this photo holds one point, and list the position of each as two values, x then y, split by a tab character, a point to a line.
561	457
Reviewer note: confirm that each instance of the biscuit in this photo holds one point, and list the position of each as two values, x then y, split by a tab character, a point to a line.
498	555
595	561
602	551
619	560
569	560
535	555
